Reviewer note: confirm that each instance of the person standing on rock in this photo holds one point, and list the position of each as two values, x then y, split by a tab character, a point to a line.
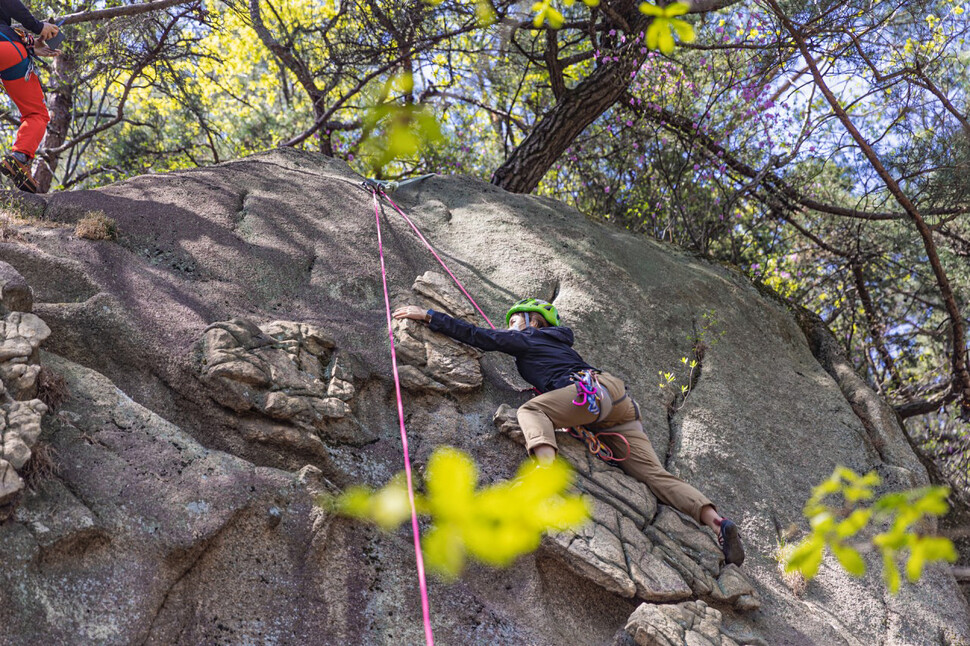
576	394
23	87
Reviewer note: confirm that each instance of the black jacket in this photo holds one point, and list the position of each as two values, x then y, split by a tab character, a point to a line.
14	9
544	356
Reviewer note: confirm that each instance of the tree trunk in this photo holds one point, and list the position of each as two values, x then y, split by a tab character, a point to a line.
558	127
581	106
60	104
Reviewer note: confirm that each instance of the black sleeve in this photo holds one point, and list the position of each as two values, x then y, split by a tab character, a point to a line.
508	341
16	10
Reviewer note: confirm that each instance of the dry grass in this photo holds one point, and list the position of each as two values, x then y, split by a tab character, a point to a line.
41	466
52	388
96	226
794	580
9	231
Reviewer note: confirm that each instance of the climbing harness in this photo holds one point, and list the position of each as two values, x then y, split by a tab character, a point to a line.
27	64
25	67
422	584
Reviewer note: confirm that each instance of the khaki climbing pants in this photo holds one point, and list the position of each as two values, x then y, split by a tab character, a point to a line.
541	416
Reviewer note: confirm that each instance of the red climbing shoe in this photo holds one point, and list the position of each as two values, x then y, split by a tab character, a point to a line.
730	543
16	166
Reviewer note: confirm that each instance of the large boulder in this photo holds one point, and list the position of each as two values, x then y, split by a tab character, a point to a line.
228	359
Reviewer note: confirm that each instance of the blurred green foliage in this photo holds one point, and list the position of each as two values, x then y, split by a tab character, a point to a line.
494	524
898	514
664	22
393	130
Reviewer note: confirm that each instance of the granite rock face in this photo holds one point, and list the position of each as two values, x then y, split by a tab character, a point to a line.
227	360
635	547
284	371
21	334
432	362
693	623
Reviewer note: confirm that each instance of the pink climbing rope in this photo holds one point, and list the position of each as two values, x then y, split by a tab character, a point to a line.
428	636
435	254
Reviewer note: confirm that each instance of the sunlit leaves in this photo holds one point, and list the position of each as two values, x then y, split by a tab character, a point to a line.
659	34
494	524
546	12
394	130
897	514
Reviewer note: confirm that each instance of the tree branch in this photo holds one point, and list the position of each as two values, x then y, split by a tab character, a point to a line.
126	10
958	358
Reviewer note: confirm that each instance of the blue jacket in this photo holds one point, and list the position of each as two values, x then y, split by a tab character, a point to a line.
544	356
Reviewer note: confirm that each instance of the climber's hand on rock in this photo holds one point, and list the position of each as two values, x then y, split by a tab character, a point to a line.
412	312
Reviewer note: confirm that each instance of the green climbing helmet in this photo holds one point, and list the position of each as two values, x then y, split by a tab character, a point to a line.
543	308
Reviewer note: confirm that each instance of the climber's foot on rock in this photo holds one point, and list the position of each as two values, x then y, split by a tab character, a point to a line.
16	166
730	542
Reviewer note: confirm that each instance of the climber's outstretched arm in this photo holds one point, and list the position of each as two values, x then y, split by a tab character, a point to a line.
511	342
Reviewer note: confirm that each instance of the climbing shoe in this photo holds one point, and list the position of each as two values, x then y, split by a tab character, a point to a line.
16	166
730	543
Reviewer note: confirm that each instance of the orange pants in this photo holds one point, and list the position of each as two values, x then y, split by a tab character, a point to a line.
29	99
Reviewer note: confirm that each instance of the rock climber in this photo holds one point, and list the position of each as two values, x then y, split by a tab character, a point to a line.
23	86
544	356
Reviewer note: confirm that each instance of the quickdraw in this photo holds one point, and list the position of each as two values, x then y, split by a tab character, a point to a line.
596	446
587	390
588	395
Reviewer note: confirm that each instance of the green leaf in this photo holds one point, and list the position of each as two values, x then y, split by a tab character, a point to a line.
830	486
666	41
355	502
485	13
443	550
651	10
892	540
653	34
890	572
937	548
540	16
451	478
685	31
822	522
854	493
852	525
933	502
806	557
850	559
676	9
390	507
914	566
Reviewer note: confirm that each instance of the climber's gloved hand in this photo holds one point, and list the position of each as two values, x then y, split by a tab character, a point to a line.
48	31
412	312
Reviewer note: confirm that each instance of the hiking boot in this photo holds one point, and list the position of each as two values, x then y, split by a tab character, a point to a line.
730	543
16	166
